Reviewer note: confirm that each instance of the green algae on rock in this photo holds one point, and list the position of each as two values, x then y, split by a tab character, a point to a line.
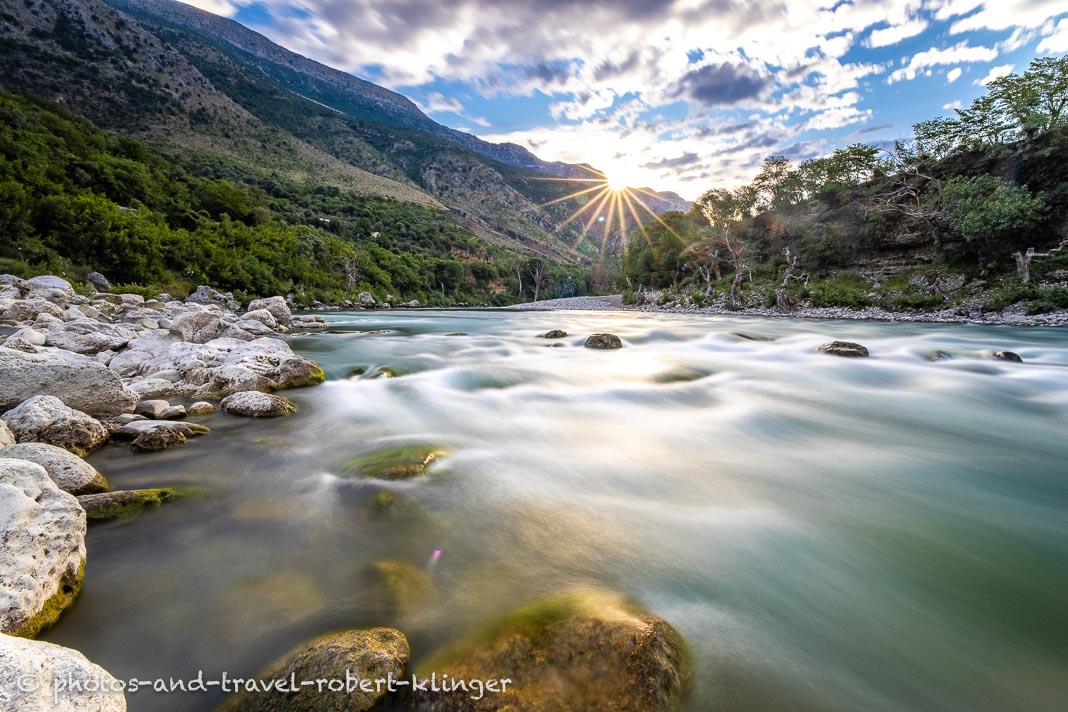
400	462
123	503
398	587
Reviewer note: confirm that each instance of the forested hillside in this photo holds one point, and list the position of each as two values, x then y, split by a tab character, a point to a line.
973	208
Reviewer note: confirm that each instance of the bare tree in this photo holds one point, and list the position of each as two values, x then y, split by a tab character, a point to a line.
352	272
738	255
783	300
704	259
539	273
517	267
1024	259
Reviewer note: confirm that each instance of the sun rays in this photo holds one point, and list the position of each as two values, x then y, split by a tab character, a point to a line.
608	203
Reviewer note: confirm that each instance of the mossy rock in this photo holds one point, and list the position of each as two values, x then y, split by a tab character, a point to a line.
371	654
402	462
69	588
847	349
603	342
124	503
554	334
397	587
301	374
385	372
588	650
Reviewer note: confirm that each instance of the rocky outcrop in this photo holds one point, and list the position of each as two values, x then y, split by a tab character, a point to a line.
198	327
43	533
46	419
80	382
374	654
88	336
603	341
257	405
844	348
70	473
588	650
275	306
29	670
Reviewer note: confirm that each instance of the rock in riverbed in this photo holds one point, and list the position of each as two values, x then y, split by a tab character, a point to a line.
377	653
70	473
200	408
1009	356
123	503
554	334
844	348
604	341
43	531
254	404
79	381
46	419
29	670
589	650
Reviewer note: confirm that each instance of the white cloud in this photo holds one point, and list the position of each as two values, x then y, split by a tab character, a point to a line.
996	73
953	105
1056	42
958	54
1007	14
219	7
438	102
896	33
954	74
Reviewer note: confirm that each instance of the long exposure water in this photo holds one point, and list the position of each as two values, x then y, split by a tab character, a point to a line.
827	533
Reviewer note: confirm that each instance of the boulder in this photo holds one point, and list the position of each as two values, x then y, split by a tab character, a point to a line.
152	408
253	329
603	341
844	348
98	281
557	334
46	419
31	310
48	282
1010	356
200	408
373	654
43	531
257	405
588	650
6	436
29	670
70	473
28	335
198	327
78	381
135	428
114	505
307	321
276	306
131	300
175	412
159	439
208	296
264	317
89	336
366	299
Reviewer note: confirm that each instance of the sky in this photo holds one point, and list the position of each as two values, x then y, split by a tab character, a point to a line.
681	95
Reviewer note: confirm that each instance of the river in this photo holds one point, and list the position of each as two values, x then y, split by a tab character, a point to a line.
827	533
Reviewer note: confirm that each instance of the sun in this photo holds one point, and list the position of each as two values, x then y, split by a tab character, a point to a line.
616	182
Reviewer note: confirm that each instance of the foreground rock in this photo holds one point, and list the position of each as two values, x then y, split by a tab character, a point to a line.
1009	356
29	669
254	404
588	650
377	653
79	381
158	434
43	531
604	341
46	419
554	334
123	503
70	473
844	348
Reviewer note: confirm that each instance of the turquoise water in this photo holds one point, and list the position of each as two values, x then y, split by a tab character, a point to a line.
827	533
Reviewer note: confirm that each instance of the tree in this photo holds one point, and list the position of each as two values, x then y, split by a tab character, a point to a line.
1035	99
539	273
783	301
990	212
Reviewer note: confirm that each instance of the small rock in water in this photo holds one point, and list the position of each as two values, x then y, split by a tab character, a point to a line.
373	654
175	412
159	439
200	408
112	505
554	334
257	405
394	463
152	408
1008	356
844	348
604	341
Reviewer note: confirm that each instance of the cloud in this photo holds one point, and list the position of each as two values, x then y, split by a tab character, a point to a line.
958	54
954	74
722	84
685	159
996	73
1000	15
953	105
1056	42
438	102
896	33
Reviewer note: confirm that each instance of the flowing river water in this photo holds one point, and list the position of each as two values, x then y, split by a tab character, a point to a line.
827	533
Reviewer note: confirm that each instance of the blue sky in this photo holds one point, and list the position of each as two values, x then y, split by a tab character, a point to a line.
678	95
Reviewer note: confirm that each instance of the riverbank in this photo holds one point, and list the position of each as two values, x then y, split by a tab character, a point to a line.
1015	315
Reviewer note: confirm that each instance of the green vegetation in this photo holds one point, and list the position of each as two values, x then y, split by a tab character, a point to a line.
982	199
74	198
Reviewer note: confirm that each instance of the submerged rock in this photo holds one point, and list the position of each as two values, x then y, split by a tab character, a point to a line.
70	473
79	381
123	503
43	531
257	405
373	654
200	408
1008	356
844	348
29	670
159	439
401	462
588	650
555	334
603	341
397	587
46	419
